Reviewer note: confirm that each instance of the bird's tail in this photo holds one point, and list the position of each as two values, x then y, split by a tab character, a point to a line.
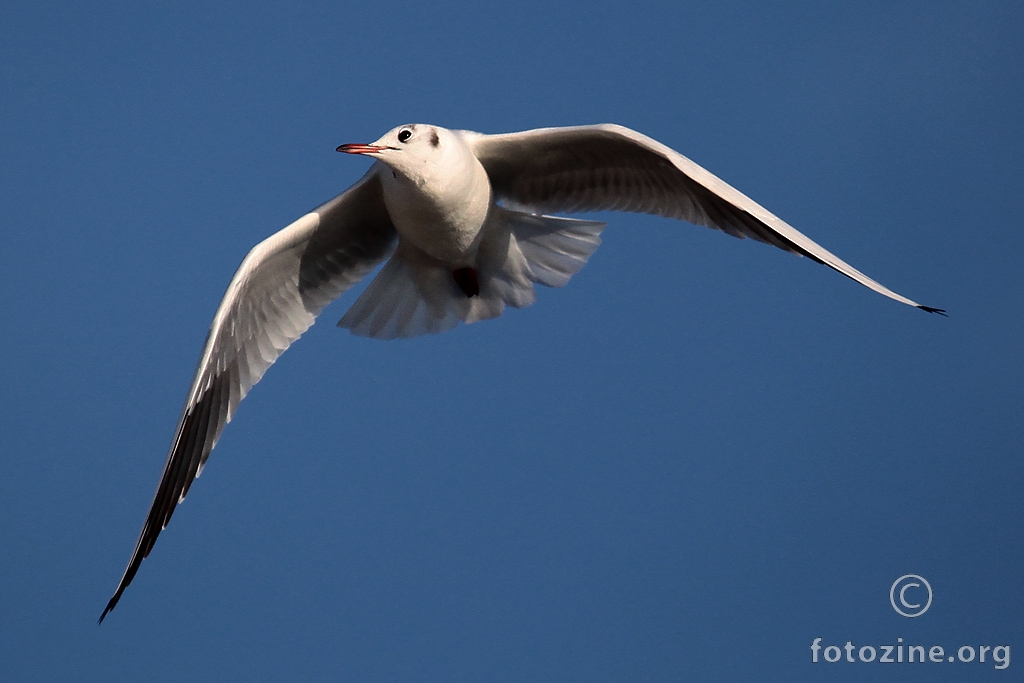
415	294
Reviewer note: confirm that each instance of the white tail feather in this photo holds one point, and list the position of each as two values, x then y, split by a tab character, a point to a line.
416	294
555	248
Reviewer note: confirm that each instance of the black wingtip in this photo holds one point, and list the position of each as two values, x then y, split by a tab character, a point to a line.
940	311
110	606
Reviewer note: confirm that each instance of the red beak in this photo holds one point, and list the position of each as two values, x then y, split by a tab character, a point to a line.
358	148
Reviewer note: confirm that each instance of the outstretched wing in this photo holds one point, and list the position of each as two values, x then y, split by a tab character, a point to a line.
609	167
275	295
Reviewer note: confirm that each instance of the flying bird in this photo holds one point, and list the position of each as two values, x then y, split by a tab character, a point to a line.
461	219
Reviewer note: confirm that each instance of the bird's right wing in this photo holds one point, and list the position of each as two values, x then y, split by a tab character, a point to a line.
275	295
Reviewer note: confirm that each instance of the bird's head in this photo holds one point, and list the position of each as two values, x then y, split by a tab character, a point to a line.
407	149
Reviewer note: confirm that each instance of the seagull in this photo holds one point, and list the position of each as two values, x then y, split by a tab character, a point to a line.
461	219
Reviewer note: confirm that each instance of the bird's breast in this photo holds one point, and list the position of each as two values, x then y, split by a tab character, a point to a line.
441	215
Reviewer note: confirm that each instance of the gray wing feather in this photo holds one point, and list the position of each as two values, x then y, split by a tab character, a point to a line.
275	296
609	167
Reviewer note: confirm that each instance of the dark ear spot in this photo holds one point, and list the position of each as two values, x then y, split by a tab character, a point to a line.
434	140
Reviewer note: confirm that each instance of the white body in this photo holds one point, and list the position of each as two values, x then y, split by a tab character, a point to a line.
440	203
431	203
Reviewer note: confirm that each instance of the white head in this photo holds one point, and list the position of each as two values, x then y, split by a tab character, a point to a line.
412	150
436	192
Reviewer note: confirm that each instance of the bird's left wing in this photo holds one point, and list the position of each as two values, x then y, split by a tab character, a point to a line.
275	295
610	167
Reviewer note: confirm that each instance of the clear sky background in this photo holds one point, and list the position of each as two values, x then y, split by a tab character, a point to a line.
690	462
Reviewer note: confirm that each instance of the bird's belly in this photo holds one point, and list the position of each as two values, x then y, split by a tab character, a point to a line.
453	242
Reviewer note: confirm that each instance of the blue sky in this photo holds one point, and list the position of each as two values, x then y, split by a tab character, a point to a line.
687	464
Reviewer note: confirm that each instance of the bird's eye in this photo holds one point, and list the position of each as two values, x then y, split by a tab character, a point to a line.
404	135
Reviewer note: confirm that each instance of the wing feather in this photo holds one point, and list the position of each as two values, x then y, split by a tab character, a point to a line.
610	167
276	294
